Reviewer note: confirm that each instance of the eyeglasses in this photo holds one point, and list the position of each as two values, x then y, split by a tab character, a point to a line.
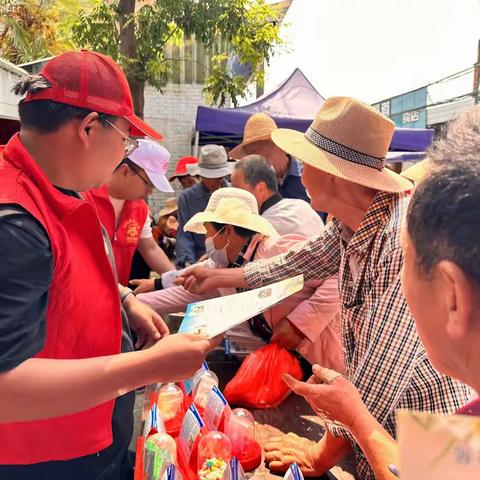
146	181
133	166
129	144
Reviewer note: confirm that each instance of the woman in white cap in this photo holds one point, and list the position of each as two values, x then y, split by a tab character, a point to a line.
236	233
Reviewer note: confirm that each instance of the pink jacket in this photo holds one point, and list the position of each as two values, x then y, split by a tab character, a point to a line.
315	310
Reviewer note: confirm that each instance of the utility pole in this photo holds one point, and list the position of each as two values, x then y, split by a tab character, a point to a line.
476	77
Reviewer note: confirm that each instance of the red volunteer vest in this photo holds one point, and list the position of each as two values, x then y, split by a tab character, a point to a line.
125	238
83	313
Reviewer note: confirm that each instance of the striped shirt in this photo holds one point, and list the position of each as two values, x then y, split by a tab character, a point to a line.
384	357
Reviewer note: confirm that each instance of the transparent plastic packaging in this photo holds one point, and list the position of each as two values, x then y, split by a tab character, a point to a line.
172	473
169	401
240	428
293	473
160	451
234	471
203	382
214	454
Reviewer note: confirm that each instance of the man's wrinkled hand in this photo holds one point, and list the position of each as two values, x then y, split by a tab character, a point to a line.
281	452
143	285
286	335
331	395
145	322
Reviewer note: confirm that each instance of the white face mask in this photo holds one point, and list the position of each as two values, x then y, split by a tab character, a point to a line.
219	256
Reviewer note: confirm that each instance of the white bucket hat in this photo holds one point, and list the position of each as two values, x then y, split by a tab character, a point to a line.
231	206
212	163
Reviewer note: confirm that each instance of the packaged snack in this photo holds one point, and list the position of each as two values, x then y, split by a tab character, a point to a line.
239	426
214	453
170	400
160	451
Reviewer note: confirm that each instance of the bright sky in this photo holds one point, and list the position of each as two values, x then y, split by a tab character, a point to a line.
375	49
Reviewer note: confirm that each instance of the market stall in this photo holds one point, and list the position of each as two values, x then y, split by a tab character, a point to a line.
223	416
293	415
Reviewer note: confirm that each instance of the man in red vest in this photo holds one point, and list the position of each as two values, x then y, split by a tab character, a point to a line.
124	213
66	356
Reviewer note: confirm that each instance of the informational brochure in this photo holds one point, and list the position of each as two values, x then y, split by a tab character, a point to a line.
434	446
217	315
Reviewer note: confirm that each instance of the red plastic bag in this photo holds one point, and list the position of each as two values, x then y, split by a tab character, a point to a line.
258	382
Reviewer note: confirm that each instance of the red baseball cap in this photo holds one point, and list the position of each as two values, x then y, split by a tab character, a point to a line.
92	81
181	168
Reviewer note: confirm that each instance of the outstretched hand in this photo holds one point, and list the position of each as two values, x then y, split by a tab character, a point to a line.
198	280
330	394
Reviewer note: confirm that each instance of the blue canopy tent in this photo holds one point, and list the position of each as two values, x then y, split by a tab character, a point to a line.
293	104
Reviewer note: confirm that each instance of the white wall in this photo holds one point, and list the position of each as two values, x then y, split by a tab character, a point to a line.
9	74
173	114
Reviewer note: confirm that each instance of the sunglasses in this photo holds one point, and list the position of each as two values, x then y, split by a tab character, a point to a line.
129	144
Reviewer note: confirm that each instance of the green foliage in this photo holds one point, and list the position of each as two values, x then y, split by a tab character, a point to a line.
34	29
97	29
246	27
221	86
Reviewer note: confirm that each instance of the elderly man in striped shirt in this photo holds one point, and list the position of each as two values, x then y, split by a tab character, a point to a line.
345	174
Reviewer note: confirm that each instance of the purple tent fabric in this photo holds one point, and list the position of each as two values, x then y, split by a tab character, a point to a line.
293	104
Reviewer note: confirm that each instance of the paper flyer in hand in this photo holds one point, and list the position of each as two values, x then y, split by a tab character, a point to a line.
434	446
217	315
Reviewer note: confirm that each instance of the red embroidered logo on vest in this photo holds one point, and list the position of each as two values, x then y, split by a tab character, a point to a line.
133	231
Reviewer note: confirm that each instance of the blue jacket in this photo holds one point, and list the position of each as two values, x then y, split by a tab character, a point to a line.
191	246
292	186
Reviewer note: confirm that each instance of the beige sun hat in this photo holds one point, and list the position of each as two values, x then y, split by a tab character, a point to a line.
348	139
231	206
259	127
417	172
170	206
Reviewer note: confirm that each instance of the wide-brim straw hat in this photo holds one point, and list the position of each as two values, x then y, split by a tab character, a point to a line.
259	128
416	173
231	206
348	139
169	207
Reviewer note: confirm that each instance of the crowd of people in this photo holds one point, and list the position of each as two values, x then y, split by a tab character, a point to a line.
387	317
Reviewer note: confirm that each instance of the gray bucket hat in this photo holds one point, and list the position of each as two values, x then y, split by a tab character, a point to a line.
212	163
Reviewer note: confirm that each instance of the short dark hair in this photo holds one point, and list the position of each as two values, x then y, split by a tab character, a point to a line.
256	169
47	116
444	218
130	164
243	232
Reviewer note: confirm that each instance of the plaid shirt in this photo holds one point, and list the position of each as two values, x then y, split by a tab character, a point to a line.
384	357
